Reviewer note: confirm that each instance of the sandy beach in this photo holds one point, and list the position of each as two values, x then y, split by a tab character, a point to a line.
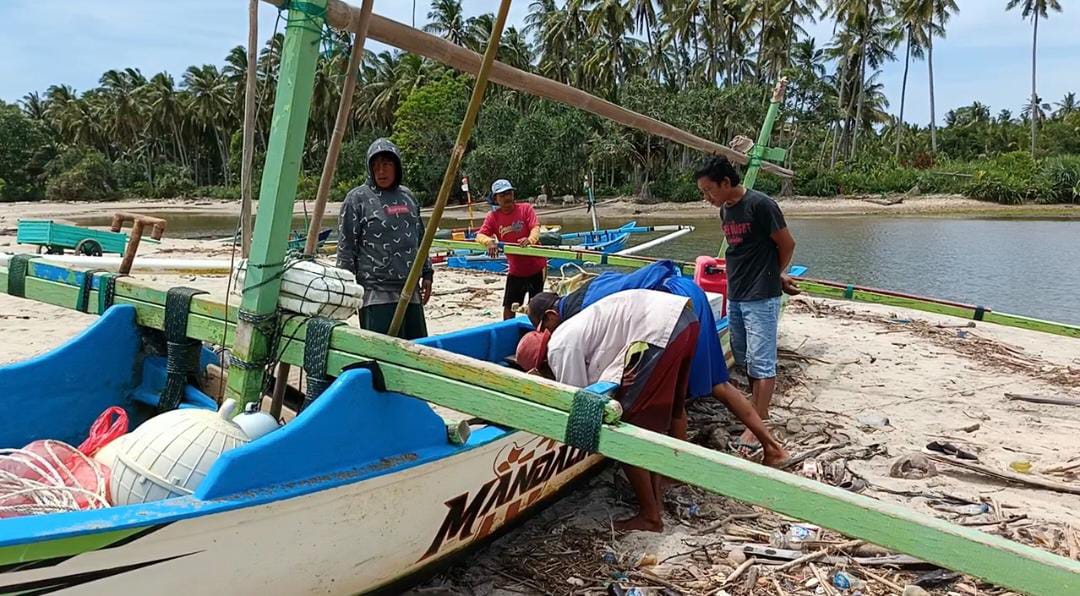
861	386
618	207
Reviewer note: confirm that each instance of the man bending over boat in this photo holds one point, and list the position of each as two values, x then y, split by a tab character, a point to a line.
759	251
708	371
516	223
639	339
380	229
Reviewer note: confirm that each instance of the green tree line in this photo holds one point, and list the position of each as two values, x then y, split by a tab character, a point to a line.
706	66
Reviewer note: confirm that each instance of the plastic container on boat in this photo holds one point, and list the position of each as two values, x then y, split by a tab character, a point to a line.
255	423
170	454
710	274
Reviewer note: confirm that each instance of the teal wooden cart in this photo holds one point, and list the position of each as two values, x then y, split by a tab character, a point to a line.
55	238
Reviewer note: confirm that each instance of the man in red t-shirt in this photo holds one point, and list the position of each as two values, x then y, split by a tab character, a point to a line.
517	223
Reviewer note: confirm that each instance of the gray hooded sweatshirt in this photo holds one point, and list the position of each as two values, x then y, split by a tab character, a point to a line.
380	232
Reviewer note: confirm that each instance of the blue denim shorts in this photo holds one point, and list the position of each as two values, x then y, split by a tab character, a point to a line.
753	335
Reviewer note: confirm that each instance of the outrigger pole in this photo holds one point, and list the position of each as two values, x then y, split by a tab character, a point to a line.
810	287
450	176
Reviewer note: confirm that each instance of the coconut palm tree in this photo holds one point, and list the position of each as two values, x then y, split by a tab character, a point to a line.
1066	106
940	11
448	21
608	21
917	21
211	100
514	49
643	14
167	108
1035	9
34	106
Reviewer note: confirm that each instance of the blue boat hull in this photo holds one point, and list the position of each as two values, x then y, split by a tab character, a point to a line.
364	487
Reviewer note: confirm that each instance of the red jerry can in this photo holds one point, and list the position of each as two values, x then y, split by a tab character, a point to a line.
710	274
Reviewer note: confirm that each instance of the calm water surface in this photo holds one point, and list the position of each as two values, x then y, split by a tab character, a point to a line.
1019	266
1027	267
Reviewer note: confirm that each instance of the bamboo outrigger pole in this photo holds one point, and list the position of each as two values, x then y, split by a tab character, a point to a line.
248	154
341	123
343	16
450	176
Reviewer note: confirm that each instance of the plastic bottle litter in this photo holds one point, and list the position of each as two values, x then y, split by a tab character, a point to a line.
1021	465
802	532
844	581
973	509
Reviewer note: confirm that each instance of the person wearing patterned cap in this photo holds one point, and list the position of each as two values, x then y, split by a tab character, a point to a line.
380	231
516	223
641	340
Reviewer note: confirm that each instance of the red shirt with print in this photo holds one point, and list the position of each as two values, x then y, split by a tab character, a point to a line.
511	228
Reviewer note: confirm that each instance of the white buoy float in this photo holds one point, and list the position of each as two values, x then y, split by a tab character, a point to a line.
170	454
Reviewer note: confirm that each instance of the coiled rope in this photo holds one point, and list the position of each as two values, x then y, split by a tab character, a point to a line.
51	492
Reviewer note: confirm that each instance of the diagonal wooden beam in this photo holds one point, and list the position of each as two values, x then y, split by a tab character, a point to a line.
450	176
343	16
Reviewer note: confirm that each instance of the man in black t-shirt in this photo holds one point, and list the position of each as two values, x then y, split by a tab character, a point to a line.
759	251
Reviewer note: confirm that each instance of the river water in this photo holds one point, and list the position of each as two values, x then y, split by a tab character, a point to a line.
1026	267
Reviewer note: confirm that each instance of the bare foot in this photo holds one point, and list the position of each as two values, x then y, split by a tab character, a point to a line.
639	523
749	439
775	456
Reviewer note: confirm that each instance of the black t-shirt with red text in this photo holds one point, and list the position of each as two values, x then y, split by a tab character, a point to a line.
753	262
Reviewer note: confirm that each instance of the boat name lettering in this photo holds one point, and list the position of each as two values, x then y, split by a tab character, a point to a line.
514	480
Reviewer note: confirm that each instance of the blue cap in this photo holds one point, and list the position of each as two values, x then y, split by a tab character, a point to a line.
501	185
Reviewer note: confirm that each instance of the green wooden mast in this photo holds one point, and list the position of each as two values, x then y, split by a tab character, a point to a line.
761	152
258	307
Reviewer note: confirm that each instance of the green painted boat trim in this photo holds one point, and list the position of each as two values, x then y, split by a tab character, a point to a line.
507	397
62	547
857	294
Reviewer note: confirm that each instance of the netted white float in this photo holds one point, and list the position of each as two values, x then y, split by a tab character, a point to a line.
314	289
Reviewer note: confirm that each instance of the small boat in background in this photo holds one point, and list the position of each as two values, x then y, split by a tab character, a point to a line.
298	239
605	241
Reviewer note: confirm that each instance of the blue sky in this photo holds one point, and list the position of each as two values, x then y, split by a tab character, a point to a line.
987	55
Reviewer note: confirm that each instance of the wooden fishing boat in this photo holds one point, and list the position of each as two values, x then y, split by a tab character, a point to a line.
358	449
602	241
298	239
364	487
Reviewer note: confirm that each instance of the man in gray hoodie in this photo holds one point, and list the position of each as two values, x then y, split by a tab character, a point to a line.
380	231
